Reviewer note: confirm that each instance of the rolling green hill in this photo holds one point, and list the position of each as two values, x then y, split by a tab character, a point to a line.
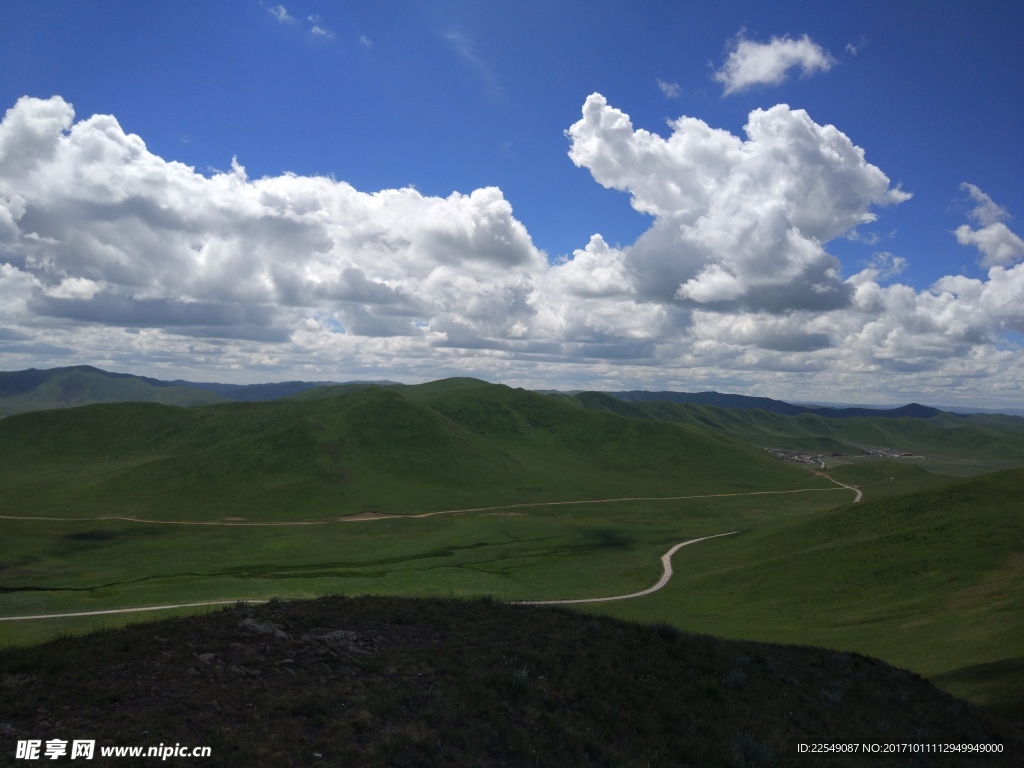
932	580
927	579
982	437
437	446
34	390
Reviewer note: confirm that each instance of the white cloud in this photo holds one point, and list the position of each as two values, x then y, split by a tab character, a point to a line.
365	41
282	15
855	48
883	266
74	288
751	63
321	32
116	235
998	244
668	90
738	223
986	212
143	264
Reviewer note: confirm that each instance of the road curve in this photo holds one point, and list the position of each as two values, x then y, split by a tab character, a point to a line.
666	559
844	485
666	565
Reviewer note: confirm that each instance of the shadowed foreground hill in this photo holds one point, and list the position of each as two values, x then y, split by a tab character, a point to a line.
402	682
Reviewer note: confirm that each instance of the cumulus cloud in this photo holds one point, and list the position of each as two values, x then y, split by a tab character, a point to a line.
750	63
998	244
141	263
115	235
739	224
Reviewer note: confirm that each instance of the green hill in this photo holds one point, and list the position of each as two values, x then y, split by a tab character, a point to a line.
34	390
984	437
931	580
437	446
399	682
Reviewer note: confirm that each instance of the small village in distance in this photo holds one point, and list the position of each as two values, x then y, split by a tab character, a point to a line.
818	459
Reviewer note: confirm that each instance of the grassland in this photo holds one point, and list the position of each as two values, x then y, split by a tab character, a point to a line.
922	573
370	450
945	443
34	390
443	446
525	553
931	580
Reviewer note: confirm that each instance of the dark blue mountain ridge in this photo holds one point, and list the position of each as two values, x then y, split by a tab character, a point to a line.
745	403
15	384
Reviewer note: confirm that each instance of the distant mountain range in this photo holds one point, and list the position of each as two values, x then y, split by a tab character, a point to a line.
744	403
34	389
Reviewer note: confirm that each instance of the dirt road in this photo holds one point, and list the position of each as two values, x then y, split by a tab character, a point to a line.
666	566
666	559
363	517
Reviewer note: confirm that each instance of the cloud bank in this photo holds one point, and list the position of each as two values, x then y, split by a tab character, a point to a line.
112	255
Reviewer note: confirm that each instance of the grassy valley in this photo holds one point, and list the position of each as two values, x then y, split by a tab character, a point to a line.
930	580
342	474
462	489
944	442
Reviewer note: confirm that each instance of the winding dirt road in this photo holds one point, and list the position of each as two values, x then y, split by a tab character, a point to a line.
857	491
666	565
666	559
363	517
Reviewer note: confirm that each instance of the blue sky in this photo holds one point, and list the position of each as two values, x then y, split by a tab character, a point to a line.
455	97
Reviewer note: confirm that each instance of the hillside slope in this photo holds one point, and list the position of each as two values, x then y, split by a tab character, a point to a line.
391	450
400	682
33	390
932	580
998	438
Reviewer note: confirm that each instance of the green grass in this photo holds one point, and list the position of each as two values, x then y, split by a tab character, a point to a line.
527	553
960	444
931	580
371	449
922	573
70	387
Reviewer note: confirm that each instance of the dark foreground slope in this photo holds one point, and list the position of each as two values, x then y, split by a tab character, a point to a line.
400	682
